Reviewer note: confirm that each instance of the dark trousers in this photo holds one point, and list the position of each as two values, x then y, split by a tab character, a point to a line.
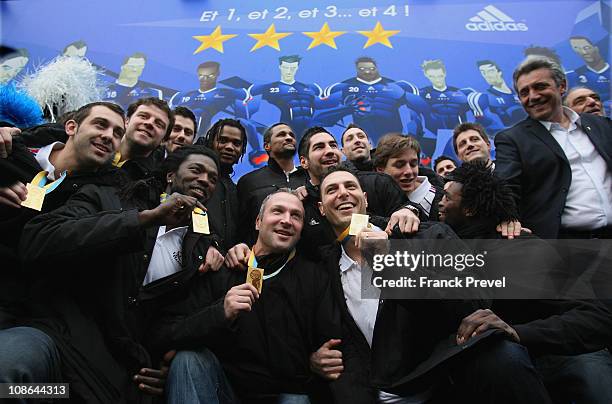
498	371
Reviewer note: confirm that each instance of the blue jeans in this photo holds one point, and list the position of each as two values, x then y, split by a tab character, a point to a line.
197	377
28	355
585	378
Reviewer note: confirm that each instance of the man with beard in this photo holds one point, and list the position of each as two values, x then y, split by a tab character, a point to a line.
356	147
227	138
281	172
263	341
574	365
93	135
183	133
115	240
149	122
387	203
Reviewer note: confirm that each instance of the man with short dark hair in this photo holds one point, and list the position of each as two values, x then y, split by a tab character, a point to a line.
387	204
444	165
471	143
93	135
101	235
356	147
149	122
583	100
557	162
281	172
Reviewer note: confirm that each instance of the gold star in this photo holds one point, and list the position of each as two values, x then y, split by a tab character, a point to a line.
214	40
323	37
378	35
269	38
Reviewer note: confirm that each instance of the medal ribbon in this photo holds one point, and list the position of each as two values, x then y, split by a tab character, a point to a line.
117	160
344	236
253	263
41	179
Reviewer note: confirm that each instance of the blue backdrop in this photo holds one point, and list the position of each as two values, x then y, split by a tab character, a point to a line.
418	73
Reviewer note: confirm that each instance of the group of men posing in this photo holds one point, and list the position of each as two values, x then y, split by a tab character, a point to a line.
118	288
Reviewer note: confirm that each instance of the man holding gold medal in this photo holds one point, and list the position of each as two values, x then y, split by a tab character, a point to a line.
254	341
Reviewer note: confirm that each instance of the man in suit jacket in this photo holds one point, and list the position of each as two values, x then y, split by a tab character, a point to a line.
557	162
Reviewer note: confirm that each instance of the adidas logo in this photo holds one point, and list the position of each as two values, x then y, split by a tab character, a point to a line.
493	19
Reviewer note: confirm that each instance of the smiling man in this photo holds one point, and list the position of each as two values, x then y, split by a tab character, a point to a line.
228	138
149	122
387	204
583	100
101	230
356	147
281	172
472	143
268	361
557	161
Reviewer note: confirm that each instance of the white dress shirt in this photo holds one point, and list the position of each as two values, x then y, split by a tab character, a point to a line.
588	204
166	258
42	158
362	300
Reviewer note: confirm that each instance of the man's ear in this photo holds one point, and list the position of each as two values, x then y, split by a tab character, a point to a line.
170	177
71	127
304	162
380	170
321	208
267	147
257	222
563	87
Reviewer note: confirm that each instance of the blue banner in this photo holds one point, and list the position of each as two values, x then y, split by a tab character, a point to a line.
416	67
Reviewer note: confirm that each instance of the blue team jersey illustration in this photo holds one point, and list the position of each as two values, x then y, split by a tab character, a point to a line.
374	106
596	81
495	109
297	102
124	96
207	104
447	108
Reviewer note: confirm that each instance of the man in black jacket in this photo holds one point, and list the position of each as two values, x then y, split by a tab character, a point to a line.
357	148
557	162
401	335
387	203
263	341
566	338
281	172
228	138
149	122
113	240
93	135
